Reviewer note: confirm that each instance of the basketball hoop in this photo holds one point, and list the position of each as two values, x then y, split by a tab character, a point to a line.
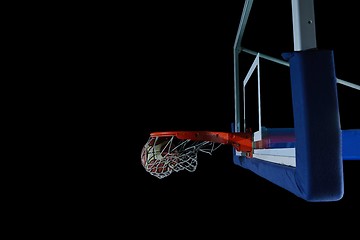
166	152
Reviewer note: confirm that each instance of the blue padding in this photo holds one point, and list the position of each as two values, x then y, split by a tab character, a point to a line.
351	144
284	176
318	175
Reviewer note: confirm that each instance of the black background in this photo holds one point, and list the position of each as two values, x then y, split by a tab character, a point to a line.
169	66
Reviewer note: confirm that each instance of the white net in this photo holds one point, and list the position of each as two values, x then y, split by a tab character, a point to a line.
161	156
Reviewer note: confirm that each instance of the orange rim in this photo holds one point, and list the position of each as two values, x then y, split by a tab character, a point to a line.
240	141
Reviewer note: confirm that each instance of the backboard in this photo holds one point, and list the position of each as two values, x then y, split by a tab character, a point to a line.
287	93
